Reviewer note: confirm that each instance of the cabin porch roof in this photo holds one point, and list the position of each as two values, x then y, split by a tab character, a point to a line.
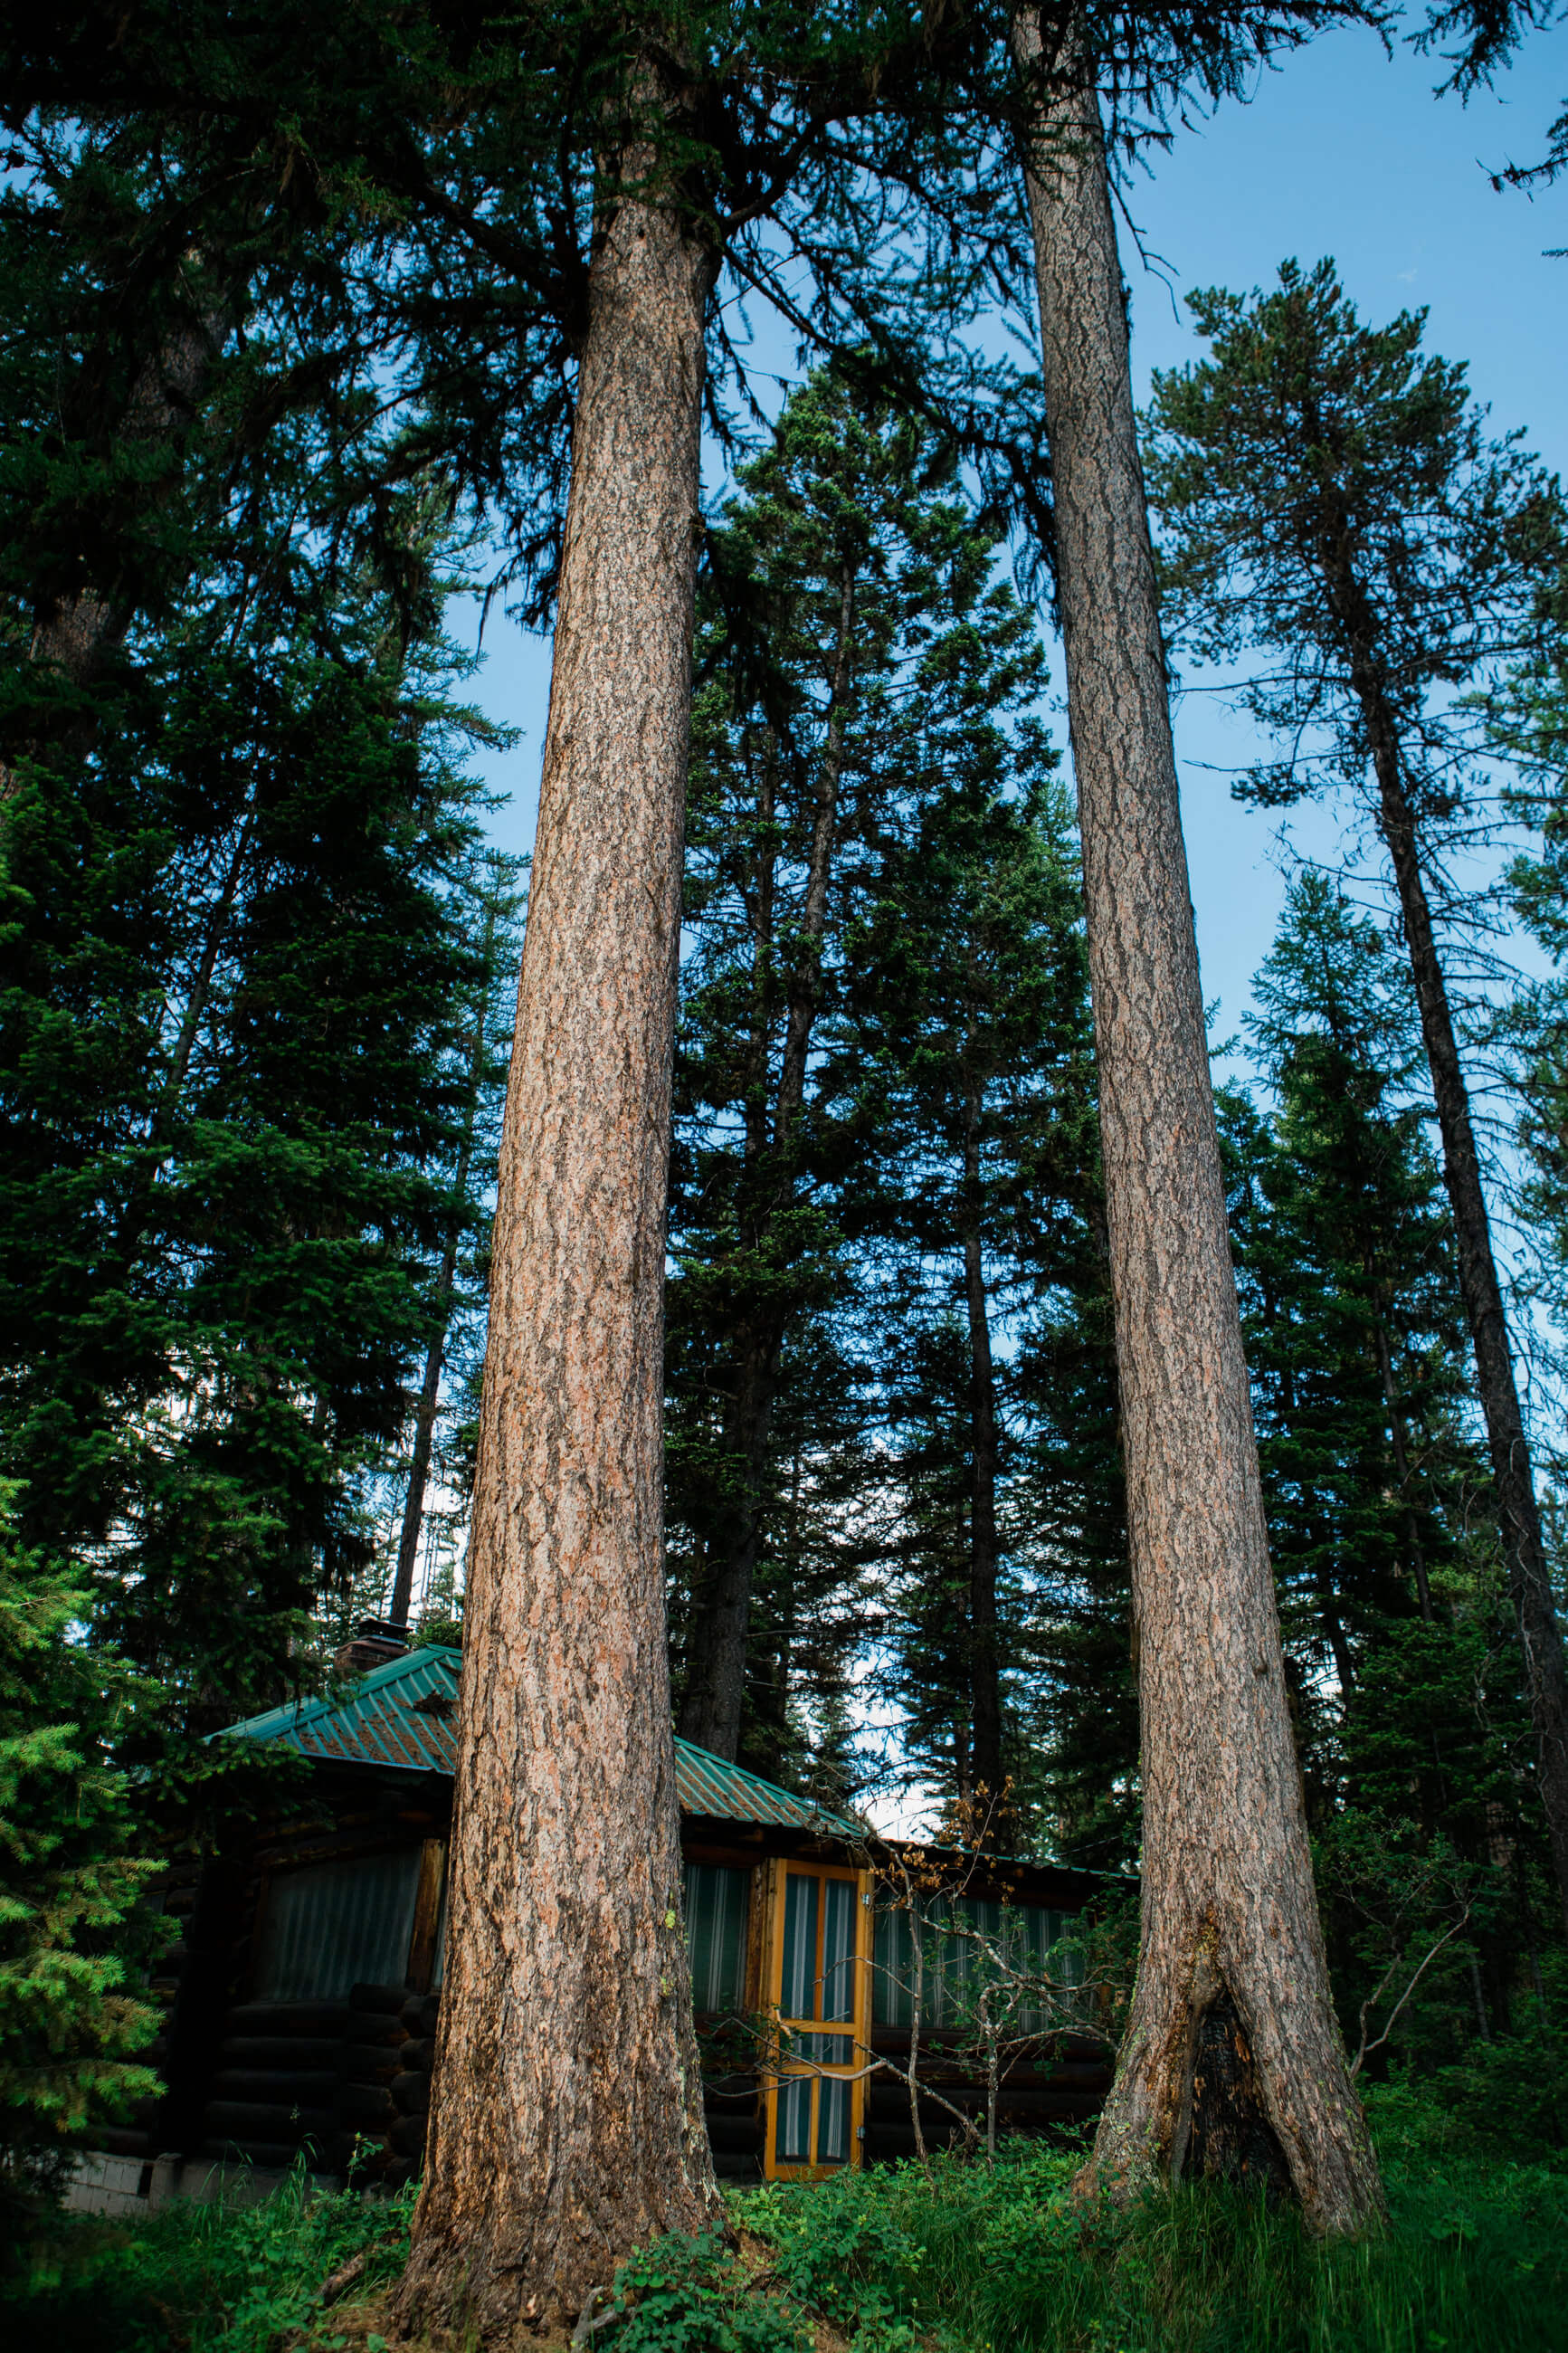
402	1715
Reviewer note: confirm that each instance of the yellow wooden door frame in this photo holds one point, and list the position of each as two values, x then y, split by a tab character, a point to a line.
858	2027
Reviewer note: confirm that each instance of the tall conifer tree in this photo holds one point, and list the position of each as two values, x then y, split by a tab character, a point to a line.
969	1033
1329	495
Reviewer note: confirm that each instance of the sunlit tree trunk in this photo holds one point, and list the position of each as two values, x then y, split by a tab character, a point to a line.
1232	2061
566	2118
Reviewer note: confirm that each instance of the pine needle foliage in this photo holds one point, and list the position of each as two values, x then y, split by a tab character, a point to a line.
71	1883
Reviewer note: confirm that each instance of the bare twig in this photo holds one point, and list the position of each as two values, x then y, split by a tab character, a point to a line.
1365	2049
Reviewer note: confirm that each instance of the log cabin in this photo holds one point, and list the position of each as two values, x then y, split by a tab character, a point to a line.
302	1981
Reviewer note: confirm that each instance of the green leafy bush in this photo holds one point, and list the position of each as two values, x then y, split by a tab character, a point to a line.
1506	2100
688	2296
70	1891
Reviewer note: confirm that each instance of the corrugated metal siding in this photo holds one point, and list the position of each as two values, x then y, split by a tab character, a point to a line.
716	1897
332	1925
404	1715
954	1966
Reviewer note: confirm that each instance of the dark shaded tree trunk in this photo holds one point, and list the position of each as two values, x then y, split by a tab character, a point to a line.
1530	1580
1232	1949
435	1355
566	2116
78	631
985	1682
1402	1468
720	1625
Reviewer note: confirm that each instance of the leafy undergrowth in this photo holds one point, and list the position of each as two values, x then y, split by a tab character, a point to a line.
956	2258
195	2278
1476	2261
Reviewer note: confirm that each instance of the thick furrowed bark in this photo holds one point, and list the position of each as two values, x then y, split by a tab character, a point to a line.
1232	1949
566	2121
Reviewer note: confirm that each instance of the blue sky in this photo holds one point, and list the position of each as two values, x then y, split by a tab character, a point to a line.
1344	153
1341	151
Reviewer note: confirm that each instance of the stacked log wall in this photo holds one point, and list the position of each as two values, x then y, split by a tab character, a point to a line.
247	2078
349	2081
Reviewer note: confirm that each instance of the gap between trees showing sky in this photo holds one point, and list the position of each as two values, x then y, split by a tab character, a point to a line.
1341	151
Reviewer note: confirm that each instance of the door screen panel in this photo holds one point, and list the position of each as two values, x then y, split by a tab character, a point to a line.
838	1948
791	2137
820	1978
798	1976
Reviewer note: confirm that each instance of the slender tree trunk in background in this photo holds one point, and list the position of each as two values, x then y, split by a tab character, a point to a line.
1233	2060
430	1387
566	2118
1530	1580
401	1600
720	1624
984	1664
1392	1400
77	633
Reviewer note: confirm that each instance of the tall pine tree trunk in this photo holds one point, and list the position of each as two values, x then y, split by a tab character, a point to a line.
566	2118
1530	1580
1232	2061
720	1625
1524	1554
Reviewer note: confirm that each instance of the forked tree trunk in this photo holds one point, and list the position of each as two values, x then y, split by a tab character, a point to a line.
566	2118
1232	2061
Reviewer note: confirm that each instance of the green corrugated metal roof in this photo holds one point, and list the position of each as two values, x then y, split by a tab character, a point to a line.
402	1715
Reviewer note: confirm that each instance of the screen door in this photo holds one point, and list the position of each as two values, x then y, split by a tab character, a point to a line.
820	1921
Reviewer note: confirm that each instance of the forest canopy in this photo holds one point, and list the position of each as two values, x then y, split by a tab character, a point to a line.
787	1266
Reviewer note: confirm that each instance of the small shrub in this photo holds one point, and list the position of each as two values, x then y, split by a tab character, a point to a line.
1506	2100
687	2295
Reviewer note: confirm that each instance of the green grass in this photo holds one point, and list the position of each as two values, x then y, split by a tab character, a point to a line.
956	2259
197	2278
1476	2261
